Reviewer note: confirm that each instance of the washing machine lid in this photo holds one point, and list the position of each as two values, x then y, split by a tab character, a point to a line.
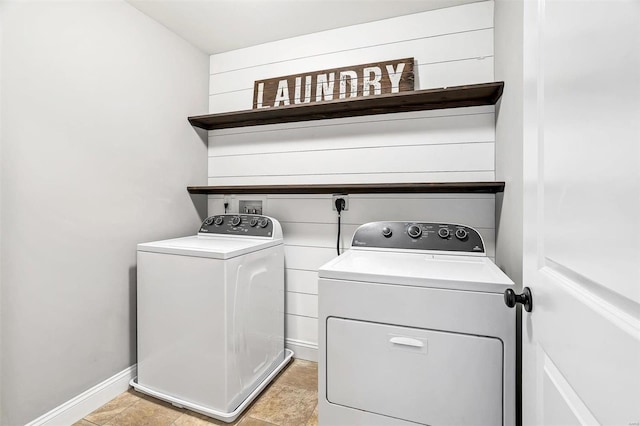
214	247
418	269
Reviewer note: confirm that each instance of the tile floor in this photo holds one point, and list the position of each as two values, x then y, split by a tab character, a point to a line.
290	400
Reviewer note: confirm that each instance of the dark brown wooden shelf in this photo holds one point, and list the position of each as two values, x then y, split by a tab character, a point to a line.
450	97
364	188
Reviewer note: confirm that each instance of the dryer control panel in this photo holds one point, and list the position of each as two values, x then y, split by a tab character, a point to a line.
250	225
419	236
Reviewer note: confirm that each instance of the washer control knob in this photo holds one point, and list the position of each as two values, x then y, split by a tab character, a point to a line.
219	220
386	232
461	233
414	231
444	232
235	221
263	222
208	221
253	222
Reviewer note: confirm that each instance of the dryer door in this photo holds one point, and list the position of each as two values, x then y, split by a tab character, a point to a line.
424	376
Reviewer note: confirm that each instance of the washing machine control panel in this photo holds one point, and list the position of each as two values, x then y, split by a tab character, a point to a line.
419	236
250	225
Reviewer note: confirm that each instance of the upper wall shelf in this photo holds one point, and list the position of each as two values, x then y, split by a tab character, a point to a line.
417	100
357	188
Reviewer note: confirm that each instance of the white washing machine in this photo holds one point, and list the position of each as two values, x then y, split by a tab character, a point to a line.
211	315
413	329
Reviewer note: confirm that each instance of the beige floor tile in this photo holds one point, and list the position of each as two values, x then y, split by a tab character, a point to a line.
84	422
189	418
285	405
305	364
290	400
147	413
112	408
313	420
300	374
250	421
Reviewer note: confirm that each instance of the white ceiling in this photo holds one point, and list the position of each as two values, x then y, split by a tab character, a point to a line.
216	26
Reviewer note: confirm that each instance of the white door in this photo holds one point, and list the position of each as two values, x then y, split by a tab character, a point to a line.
581	342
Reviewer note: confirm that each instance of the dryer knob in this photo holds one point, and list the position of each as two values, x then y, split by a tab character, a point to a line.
414	231
386	232
219	220
253	222
263	222
208	221
461	233
235	221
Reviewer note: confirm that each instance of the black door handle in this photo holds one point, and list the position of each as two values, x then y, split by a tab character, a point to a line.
526	298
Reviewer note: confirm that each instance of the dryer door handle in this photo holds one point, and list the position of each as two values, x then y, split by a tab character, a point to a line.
407	341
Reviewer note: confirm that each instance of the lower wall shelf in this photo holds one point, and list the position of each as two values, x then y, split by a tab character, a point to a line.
364	188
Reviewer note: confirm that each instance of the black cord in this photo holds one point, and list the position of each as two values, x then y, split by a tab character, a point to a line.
338	242
340	205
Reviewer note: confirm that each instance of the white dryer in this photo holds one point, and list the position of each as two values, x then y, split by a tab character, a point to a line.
413	329
211	315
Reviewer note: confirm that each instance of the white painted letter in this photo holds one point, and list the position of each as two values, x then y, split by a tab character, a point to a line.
394	76
353	80
282	94
324	88
260	96
367	82
307	90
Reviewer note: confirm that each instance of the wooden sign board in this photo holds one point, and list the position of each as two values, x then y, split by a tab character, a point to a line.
335	84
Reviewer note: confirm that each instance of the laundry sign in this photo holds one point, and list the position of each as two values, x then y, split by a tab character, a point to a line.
335	84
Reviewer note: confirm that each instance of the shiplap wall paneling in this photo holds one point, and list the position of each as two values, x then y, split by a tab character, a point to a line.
458	59
421	127
308	220
452	47
301	281
419	146
344	178
352	164
418	25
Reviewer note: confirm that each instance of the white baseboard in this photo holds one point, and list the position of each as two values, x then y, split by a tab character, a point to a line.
302	349
89	400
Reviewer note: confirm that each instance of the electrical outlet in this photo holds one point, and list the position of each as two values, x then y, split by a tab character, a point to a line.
250	207
345	197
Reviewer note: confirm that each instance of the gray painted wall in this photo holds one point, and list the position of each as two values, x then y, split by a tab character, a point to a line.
1	32
96	155
509	136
